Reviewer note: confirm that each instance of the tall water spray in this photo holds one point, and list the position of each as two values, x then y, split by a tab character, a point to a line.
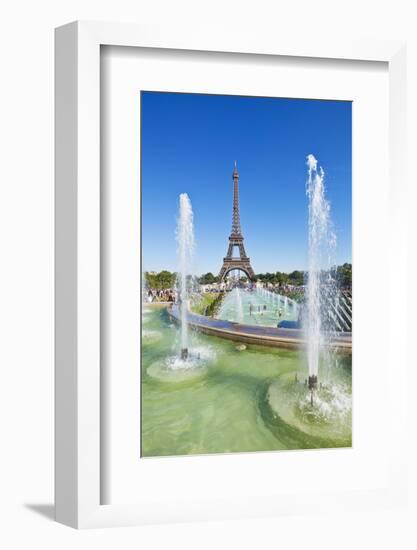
239	307
320	240
185	246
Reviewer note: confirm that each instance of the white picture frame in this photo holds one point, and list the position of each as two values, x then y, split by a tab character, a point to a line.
78	405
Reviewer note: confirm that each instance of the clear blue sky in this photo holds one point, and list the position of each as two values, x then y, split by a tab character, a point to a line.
189	145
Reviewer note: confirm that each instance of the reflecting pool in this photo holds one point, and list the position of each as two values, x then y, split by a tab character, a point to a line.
257	307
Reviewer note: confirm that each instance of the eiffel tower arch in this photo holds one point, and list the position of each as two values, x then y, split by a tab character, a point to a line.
241	262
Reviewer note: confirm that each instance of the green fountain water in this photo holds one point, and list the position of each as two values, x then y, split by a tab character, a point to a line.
257	307
224	400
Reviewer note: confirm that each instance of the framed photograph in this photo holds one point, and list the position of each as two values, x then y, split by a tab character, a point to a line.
255	386
223	346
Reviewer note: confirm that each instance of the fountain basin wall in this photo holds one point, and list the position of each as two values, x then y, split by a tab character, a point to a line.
250	334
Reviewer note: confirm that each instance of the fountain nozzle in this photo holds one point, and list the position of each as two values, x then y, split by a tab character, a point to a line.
312	382
184	354
312	386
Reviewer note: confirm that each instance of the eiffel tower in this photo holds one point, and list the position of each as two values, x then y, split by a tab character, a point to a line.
241	262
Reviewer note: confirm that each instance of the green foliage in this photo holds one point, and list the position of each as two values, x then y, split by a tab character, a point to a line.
214	305
207	303
202	301
160	281
344	275
165	279
295	278
208	279
296	296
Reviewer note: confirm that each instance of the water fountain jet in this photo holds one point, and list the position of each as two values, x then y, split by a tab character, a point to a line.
320	241
185	246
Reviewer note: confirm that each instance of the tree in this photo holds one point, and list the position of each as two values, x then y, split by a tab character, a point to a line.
150	279
281	278
166	279
208	279
296	278
160	281
344	275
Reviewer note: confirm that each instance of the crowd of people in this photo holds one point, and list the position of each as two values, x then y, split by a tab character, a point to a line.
161	295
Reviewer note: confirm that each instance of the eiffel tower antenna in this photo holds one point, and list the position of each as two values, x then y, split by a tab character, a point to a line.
242	262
